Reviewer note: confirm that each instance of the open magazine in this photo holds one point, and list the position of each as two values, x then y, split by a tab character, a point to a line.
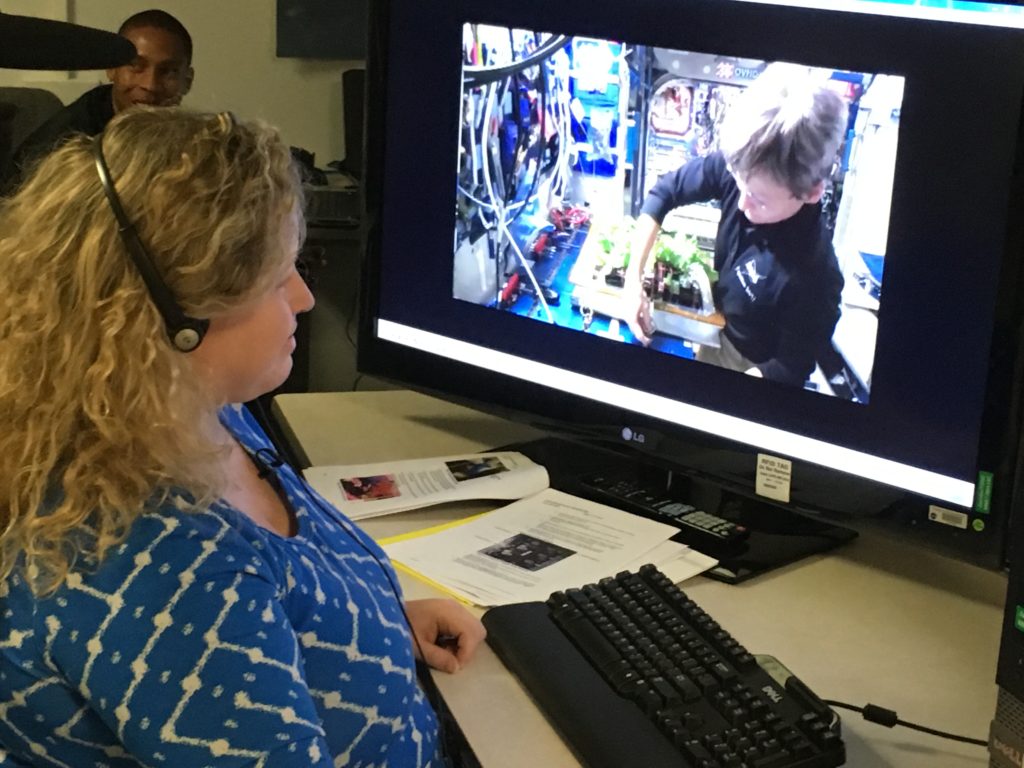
369	490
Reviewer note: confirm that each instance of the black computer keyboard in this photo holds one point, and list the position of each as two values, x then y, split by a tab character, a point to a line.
635	675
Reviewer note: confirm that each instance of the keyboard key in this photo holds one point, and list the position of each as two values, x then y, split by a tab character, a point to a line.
695	751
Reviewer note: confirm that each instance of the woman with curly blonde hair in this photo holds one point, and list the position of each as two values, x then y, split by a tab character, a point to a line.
166	596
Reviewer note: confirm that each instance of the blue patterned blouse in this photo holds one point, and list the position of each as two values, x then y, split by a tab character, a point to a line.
207	640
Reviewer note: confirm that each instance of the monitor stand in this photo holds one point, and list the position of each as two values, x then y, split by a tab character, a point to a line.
778	535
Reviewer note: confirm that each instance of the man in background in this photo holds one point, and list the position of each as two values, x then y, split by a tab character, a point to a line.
159	75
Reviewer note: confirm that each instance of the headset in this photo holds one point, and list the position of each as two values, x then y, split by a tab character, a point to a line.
185	332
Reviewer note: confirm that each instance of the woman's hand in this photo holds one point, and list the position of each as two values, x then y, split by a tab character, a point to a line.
637	311
448	634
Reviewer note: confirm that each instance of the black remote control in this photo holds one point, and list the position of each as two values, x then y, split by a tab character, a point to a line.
697	526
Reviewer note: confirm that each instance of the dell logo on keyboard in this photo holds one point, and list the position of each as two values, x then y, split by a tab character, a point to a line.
633	437
772	694
999	747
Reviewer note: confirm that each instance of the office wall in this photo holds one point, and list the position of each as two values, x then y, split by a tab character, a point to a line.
236	67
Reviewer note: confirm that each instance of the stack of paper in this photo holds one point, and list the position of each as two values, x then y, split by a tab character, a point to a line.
369	490
535	546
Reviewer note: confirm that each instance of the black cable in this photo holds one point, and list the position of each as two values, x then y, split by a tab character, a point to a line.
353	305
887	717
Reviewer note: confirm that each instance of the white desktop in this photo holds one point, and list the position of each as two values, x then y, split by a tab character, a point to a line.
873	622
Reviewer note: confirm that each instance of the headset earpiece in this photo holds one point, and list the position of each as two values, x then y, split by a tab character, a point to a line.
187	339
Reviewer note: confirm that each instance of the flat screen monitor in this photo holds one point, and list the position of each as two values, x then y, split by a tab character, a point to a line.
841	348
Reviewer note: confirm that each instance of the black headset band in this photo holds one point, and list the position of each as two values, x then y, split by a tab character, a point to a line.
185	332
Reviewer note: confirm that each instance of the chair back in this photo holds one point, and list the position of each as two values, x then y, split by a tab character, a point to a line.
22	110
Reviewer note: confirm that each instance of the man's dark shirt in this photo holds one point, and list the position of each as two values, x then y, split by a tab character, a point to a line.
88	114
778	284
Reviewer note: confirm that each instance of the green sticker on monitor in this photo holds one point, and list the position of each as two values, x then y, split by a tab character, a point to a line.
1018	619
983	493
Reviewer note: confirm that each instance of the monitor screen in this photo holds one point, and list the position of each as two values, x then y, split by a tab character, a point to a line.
775	242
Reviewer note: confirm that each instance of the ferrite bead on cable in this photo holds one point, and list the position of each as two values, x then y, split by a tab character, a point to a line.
880	715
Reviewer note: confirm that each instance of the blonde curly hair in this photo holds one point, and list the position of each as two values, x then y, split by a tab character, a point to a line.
101	416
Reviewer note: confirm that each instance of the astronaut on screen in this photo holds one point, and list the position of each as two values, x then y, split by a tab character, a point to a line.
779	281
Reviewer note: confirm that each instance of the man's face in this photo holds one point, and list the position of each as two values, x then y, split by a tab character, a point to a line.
158	76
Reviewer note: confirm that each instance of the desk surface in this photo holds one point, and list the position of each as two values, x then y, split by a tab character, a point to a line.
875	622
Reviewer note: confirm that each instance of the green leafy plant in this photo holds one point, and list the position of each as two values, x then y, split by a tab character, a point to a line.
680	251
677	250
616	242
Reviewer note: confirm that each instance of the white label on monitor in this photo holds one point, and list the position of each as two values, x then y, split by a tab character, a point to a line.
947	516
773	477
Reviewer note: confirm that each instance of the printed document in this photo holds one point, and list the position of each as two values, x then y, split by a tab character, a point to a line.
535	546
